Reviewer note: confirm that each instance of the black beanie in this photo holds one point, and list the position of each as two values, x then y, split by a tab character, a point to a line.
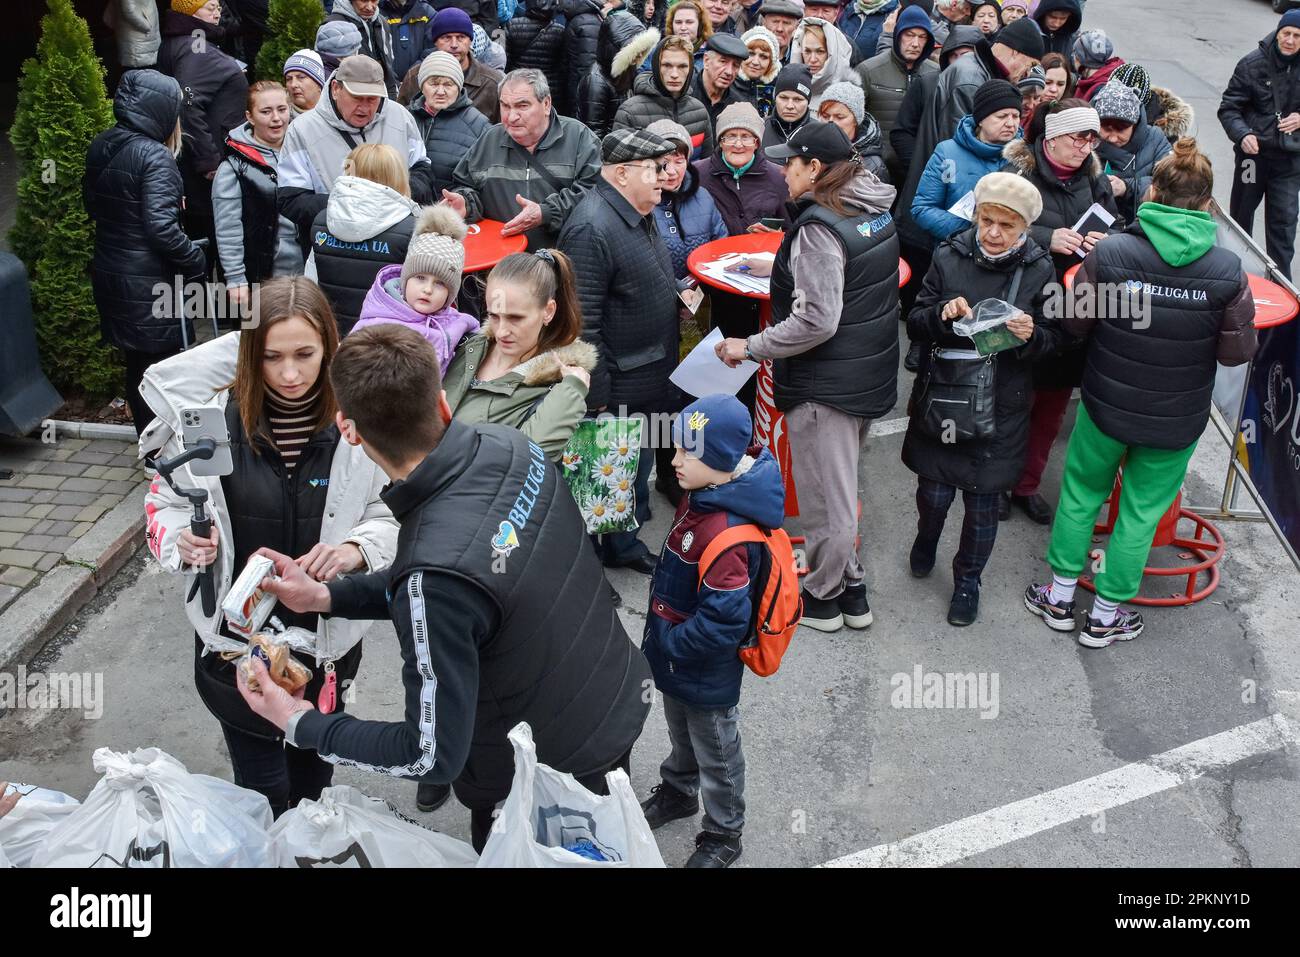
1023	36
994	95
794	78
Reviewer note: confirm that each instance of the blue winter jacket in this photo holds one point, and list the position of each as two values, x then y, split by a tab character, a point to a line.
864	31
687	219
954	168
693	632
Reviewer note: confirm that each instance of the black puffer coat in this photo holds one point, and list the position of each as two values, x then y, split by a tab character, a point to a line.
535	40
1063	204
581	35
448	135
1263	84
623	41
629	301
650	101
989	465
870	144
215	88
132	192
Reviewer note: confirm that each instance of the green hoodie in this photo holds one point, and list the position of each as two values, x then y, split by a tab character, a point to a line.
1180	236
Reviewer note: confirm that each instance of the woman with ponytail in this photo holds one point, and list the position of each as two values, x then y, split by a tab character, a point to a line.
1195	309
527	368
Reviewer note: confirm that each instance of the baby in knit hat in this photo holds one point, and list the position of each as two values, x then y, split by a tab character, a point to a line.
421	292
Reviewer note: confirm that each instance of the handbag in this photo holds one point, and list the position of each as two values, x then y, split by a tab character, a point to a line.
958	397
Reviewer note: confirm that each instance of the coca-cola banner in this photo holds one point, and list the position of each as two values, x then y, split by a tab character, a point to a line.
769	431
1270	426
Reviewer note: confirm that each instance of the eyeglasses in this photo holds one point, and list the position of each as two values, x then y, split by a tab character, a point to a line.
659	168
1080	140
739	139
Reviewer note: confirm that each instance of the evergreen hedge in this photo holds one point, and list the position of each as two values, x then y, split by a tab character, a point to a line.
290	26
62	107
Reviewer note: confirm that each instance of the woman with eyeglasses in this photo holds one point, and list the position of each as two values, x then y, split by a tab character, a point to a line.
448	121
1058	155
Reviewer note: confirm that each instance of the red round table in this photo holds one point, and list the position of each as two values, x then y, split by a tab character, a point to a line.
1273	304
485	246
769	423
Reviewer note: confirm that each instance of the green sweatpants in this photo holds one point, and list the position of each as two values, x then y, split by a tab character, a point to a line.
1152	479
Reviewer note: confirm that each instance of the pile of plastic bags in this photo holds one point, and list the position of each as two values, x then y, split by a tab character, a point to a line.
149	811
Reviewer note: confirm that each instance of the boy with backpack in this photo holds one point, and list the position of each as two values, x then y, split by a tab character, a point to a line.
725	574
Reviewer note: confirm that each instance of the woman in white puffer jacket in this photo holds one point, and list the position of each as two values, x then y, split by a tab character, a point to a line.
296	487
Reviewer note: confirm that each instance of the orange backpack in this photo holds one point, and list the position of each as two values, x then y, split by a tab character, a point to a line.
779	607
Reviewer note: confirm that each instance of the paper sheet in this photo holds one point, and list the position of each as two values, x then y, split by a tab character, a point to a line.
703	373
739	281
964	207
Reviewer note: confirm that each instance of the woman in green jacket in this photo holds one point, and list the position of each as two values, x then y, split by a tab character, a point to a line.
527	368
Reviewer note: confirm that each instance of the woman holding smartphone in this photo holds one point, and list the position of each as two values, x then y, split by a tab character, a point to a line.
295	486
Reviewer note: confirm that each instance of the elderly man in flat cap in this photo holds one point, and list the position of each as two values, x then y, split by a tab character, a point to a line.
629	303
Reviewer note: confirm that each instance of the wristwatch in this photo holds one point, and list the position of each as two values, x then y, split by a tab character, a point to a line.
750	355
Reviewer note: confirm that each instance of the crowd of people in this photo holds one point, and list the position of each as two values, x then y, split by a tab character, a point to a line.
386	410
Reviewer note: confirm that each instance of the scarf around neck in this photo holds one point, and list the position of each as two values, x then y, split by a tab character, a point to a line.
868	7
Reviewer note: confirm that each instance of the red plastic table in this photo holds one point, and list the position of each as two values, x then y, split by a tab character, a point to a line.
485	246
769	423
1273	304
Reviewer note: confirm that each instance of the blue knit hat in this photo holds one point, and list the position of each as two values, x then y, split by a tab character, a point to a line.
1289	19
716	429
450	20
338	38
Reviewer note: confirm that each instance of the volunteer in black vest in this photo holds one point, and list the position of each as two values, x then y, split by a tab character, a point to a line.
835	351
1195	309
496	594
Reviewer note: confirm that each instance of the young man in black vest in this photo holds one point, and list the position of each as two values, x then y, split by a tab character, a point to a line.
496	594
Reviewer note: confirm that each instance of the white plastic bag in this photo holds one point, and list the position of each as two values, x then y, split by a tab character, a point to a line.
346	828
148	811
25	828
547	811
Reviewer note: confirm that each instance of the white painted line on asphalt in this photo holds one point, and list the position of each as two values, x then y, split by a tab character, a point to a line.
889	426
1020	819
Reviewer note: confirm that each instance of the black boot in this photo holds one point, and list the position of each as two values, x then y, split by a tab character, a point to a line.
714	850
430	797
666	803
821	614
1035	506
853	605
921	559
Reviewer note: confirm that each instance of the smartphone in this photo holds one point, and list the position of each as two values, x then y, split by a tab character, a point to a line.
773	222
207	423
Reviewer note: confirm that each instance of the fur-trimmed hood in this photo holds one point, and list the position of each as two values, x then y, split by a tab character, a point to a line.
1178	113
1024	158
623	44
768	39
544	368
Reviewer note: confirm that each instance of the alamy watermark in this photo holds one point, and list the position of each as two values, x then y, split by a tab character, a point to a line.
953	691
40	691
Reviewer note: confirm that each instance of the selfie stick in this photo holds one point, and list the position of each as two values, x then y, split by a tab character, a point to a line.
200	521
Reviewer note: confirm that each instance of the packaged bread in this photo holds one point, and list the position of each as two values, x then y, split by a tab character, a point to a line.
285	670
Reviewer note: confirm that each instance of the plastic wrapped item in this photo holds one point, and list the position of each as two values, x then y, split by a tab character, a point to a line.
550	820
274	649
247	605
149	811
987	326
346	828
24	829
